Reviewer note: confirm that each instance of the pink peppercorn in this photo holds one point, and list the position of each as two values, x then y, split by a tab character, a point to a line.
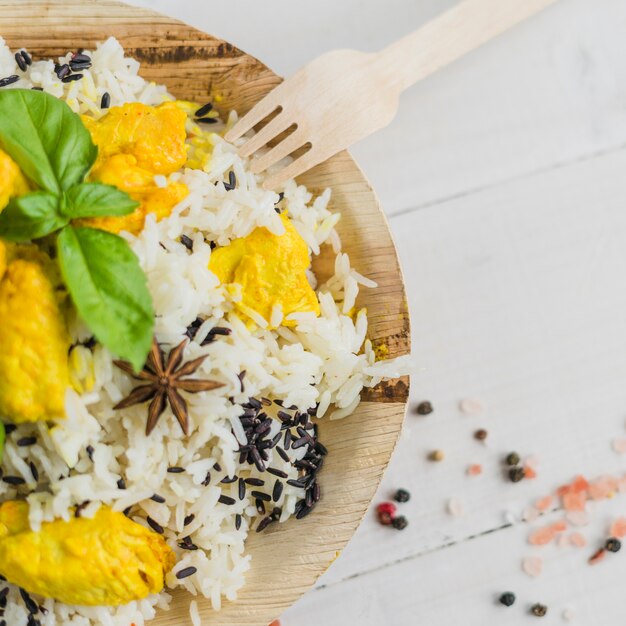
386	513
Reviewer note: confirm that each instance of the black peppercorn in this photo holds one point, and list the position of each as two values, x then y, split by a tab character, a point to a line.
538	609
513	459
400	522
424	408
613	544
402	495
516	474
508	599
480	434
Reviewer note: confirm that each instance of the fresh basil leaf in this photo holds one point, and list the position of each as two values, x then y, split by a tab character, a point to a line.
45	138
109	289
97	200
2	439
31	216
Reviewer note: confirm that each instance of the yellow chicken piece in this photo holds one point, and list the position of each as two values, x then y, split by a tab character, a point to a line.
136	142
107	560
271	270
12	181
34	341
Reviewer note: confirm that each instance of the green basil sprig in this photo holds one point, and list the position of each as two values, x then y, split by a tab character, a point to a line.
55	152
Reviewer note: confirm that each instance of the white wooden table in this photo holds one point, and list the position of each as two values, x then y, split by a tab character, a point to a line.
504	178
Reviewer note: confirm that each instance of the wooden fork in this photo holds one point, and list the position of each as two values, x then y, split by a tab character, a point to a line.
346	95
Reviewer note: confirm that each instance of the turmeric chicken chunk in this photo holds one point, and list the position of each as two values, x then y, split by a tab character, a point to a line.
12	181
270	270
107	560
34	341
135	143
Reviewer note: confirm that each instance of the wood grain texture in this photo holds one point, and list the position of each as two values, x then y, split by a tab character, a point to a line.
197	66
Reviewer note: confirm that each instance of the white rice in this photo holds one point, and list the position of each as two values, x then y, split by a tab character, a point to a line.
323	360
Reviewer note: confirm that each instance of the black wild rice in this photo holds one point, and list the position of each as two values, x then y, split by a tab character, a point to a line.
226	500
260	506
217	467
232	181
298	443
157	498
187	544
237	521
9	80
34	471
261	496
277	472
121	484
317	493
255	482
277	491
203	110
282	454
264	523
287	443
176	470
156	527
189	519
207	480
266	401
242	489
26	57
31	605
226	480
207	120
81	507
26	441
241	376
77	66
71	78
321	449
105	102
13	480
187	242
19	59
127	510
298	484
62	70
9	428
185	573
90	450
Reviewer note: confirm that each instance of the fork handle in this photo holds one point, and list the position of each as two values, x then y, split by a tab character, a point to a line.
450	36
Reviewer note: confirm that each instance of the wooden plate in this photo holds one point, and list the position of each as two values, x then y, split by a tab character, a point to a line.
287	560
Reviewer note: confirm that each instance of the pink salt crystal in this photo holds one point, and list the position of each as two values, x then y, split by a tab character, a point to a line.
568	615
455	507
541	536
562	540
574	501
544	503
559	527
532	462
619	445
603	488
618	528
578	540
530	514
577	518
532	565
475	470
621	485
471	406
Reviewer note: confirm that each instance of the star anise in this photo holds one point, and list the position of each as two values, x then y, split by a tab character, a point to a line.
164	381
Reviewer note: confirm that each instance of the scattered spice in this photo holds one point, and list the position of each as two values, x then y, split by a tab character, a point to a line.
507	598
613	545
400	522
516	474
513	458
480	434
386	513
471	406
539	610
402	495
424	408
164	382
475	469
597	556
436	455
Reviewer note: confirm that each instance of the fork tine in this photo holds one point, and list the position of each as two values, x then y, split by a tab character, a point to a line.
279	124
278	152
256	114
297	167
